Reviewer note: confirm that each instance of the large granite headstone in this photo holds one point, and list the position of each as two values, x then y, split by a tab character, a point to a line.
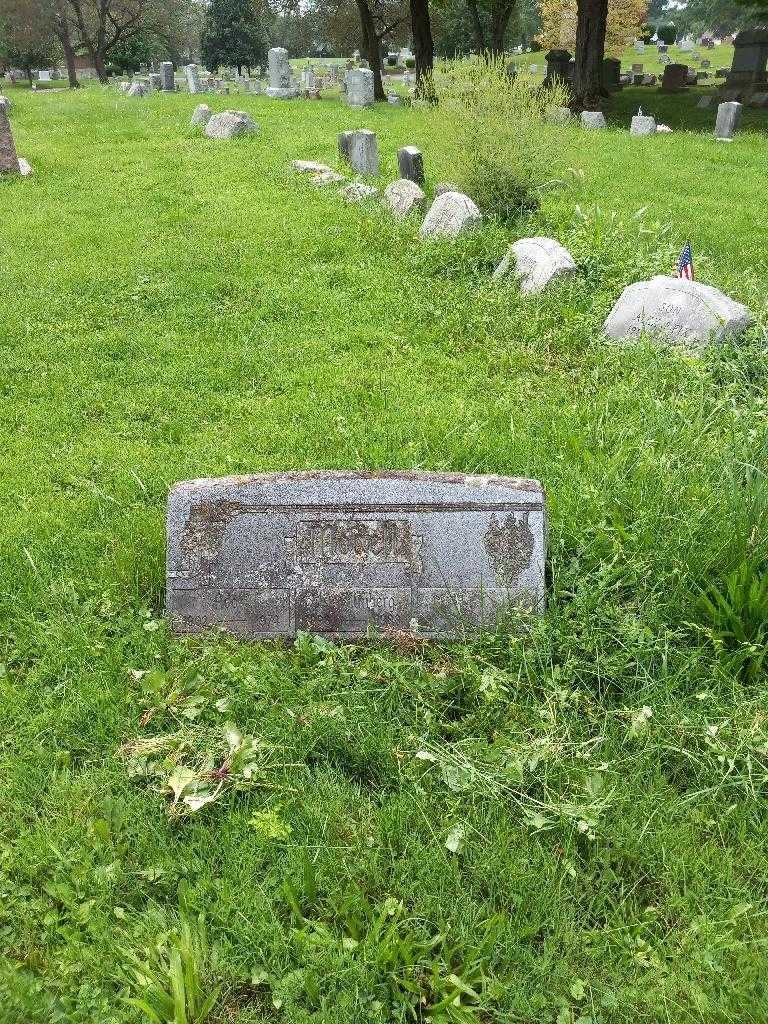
359	87
337	553
9	160
750	54
282	85
675	78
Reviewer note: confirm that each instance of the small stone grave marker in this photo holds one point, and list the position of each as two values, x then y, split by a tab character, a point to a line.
337	553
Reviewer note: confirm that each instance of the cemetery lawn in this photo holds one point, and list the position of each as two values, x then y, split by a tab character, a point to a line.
563	823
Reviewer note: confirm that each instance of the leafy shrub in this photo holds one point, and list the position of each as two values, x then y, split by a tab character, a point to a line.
667	33
735	613
502	147
410	63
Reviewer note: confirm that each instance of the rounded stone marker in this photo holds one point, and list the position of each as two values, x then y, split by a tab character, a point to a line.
451	214
201	114
593	119
402	197
536	261
685	312
229	124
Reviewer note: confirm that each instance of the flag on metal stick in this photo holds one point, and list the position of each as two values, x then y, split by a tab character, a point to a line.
684	266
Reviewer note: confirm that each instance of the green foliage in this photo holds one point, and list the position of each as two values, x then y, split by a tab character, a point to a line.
504	153
233	34
172	978
667	33
568	819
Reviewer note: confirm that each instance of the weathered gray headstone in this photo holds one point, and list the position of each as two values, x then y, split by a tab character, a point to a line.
155	80
137	89
593	119
201	114
536	261
403	196
704	102
643	124
728	121
451	214
363	149
559	115
410	163
282	85
193	78
359	87
685	312
166	76
9	161
345	142
339	553
229	124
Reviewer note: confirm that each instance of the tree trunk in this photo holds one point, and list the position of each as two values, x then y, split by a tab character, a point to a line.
502	12
592	16
477	26
371	47
423	49
98	63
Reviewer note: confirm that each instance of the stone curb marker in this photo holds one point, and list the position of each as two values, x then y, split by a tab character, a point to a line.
338	553
685	312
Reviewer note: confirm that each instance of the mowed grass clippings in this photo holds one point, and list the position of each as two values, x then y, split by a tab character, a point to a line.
562	823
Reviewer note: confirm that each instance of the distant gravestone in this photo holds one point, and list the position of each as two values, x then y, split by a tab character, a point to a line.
9	160
361	149
281	82
728	121
558	62
611	76
345	141
137	89
559	115
155	80
339	553
359	87
593	119
675	78
643	124
410	163
639	46
193	78
705	102
403	197
201	114
229	124
537	262
685	312
451	214
166	76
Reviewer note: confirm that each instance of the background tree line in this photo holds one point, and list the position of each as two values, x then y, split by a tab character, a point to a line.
121	34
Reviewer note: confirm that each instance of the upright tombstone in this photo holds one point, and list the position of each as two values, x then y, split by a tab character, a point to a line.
193	78
359	87
611	77
340	553
155	80
410	163
9	160
750	55
166	76
282	85
558	62
675	78
362	151
728	121
643	124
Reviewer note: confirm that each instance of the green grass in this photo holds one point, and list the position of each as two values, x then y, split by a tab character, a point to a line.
563	825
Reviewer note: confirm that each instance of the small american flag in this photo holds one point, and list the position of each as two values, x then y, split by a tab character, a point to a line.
684	266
